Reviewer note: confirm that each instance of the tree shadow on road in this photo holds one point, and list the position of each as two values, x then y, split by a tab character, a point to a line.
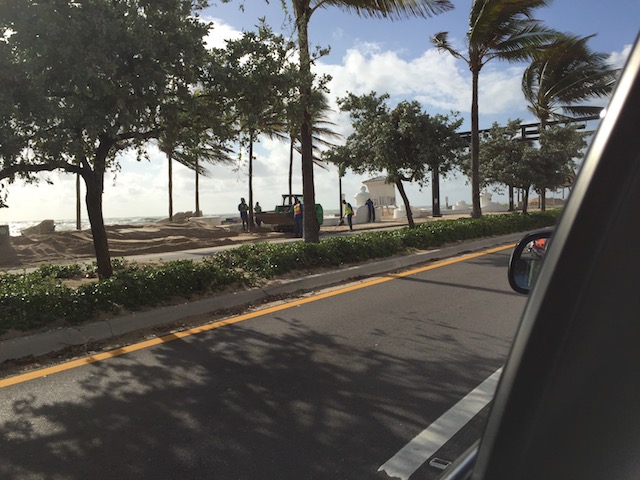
236	403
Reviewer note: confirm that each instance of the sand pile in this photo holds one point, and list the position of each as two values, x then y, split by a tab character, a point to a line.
33	247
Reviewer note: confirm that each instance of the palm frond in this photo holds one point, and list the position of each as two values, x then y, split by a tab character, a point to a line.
441	42
392	10
565	73
521	40
195	158
505	29
578	111
491	19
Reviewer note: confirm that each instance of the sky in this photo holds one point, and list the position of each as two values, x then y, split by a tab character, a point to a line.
366	54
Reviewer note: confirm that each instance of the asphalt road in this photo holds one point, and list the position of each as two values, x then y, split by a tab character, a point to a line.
330	386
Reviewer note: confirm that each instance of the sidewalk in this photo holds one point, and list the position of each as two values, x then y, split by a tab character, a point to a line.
325	232
55	340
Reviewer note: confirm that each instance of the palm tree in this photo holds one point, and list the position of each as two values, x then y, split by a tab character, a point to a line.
322	132
565	74
189	143
192	134
501	29
562	76
303	9
209	151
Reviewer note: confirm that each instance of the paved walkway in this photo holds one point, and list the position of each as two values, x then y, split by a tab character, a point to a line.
325	231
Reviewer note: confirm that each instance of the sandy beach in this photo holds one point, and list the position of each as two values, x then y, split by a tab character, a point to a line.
63	247
34	248
59	247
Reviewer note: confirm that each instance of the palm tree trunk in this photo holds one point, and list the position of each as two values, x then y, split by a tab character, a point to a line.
291	150
170	159
78	203
435	191
250	222
475	146
340	193
310	222
511	202
198	212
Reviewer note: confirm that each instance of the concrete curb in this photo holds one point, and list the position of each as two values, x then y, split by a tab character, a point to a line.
55	340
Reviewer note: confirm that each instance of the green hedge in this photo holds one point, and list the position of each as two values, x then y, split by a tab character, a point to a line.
33	300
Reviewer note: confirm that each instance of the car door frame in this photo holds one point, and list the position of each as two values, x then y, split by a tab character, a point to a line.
568	402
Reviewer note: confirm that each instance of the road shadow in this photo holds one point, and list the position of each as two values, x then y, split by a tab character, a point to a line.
235	403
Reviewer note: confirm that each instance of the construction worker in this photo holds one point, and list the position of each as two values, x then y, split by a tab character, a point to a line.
243	208
348	212
297	218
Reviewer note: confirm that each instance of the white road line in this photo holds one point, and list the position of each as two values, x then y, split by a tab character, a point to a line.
410	457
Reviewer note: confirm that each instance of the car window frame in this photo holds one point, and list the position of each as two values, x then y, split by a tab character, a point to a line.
552	374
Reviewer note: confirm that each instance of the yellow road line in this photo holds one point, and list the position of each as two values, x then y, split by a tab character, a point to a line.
230	321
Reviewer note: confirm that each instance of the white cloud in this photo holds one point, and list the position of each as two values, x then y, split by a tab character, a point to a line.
220	33
500	91
618	59
437	80
433	78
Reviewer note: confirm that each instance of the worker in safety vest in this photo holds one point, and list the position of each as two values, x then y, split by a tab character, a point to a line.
348	212
297	218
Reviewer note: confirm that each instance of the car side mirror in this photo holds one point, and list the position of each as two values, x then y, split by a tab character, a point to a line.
526	260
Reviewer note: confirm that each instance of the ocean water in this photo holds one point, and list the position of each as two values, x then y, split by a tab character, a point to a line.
70	224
